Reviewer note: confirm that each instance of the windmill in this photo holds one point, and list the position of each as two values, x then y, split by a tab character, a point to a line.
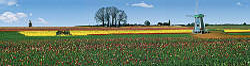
199	25
28	18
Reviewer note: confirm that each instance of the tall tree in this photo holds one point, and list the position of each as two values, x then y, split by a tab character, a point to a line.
113	12
107	16
122	17
100	16
111	16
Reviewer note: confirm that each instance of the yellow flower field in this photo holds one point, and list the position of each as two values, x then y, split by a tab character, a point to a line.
155	27
38	33
78	33
236	31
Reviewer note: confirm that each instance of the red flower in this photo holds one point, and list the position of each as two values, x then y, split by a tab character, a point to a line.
14	57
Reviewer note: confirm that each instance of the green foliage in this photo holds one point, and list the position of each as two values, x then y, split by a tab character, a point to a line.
147	23
160	24
164	23
244	23
191	24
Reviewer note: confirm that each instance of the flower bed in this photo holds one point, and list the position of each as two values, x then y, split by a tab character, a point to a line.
236	31
125	51
105	32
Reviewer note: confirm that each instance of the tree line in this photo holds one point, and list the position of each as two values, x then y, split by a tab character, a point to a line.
114	17
110	16
147	23
244	24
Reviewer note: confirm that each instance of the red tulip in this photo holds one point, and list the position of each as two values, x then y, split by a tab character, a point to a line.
14	57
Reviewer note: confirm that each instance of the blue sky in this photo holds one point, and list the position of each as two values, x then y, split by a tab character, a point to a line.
81	12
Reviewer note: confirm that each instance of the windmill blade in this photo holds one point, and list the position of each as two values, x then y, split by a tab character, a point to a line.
196	6
189	15
205	14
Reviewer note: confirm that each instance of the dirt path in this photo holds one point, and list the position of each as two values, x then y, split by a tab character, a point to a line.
218	35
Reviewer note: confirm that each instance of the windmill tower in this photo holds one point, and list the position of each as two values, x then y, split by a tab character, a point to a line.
199	26
30	23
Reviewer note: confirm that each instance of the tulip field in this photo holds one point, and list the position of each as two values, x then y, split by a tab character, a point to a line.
179	47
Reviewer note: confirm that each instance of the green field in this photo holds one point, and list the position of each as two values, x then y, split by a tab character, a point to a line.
156	49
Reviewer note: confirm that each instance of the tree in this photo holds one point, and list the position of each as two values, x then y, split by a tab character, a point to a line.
165	23
191	24
244	23
159	24
122	17
147	23
188	24
100	16
107	16
111	16
113	12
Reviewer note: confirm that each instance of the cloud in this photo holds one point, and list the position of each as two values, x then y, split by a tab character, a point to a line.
142	4
239	4
21	15
30	14
42	20
10	17
9	2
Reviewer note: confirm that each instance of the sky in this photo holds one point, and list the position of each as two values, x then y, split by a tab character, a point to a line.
82	12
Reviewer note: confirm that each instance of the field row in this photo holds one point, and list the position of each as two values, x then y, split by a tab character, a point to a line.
105	32
236	31
90	28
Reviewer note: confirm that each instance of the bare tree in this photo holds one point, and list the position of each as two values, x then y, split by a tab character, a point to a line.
122	17
100	16
110	15
113	12
107	16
